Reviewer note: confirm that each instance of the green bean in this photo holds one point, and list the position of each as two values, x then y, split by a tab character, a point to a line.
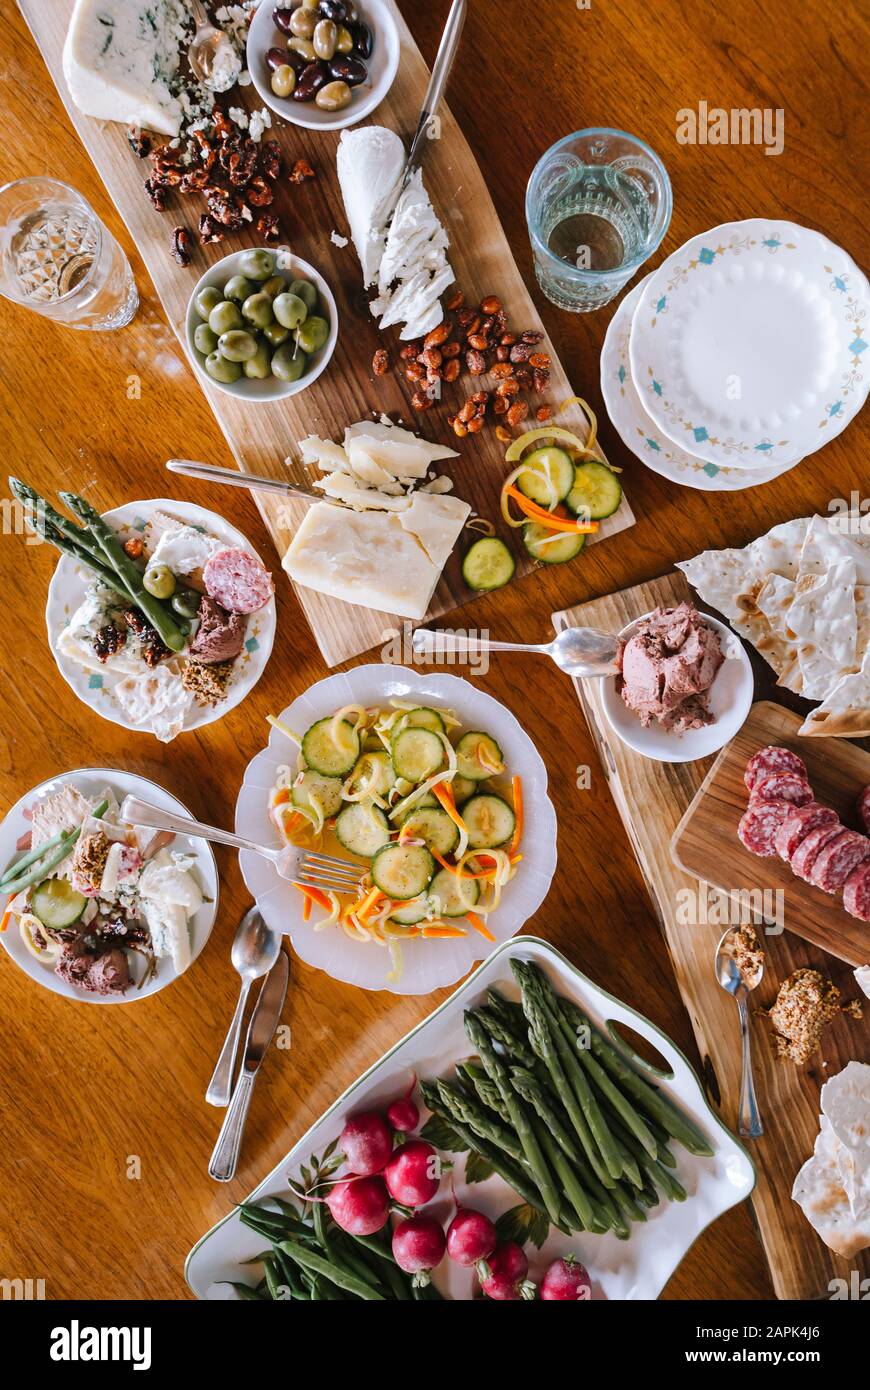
319	1265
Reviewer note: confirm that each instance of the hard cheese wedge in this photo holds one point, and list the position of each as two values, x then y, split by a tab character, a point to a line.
121	58
390	561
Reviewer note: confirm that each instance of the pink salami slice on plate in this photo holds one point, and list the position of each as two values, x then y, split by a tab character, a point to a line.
798	824
769	760
237	581
758	826
782	786
856	892
862	806
837	859
810	847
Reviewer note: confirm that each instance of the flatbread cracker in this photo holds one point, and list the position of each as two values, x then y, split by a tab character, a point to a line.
846	711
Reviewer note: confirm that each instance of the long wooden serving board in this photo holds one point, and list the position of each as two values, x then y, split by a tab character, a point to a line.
652	799
705	842
262	435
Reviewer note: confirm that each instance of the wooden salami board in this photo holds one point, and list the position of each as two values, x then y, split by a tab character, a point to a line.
705	843
652	799
262	435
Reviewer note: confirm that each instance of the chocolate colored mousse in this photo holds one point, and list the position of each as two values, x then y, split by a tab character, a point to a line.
220	635
667	669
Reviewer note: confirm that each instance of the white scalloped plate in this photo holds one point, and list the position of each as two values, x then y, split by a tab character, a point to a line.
427	965
637	1268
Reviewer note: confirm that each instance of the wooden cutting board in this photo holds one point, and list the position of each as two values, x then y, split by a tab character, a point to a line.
705	842
652	799
262	435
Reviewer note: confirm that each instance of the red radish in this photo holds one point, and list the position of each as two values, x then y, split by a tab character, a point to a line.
413	1174
403	1114
359	1206
471	1237
366	1143
566	1281
418	1246
505	1280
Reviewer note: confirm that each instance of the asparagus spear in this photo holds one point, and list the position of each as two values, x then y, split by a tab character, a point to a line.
116	556
497	1072
39	863
571	1185
42	514
486	1091
460	1107
515	1044
600	1079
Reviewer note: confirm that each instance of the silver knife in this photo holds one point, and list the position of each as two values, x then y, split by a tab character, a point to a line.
210	473
261	1030
437	82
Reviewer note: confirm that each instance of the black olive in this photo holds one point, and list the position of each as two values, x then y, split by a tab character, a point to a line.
349	70
363	40
310	81
277	58
334	10
281	19
297	61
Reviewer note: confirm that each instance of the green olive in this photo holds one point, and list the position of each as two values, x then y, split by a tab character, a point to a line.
283	80
306	291
257	309
290	310
288	363
276	334
237	345
325	38
159	581
335	96
222	369
204	340
303	22
257	265
259	367
206	300
277	285
344	42
185	602
224	317
238	288
305	49
312	334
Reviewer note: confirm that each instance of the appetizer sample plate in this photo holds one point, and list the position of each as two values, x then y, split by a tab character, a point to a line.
637	1268
382	67
639	432
747	343
426	965
730	701
91	781
67	590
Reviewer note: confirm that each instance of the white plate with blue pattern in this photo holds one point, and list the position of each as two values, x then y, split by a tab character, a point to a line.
749	343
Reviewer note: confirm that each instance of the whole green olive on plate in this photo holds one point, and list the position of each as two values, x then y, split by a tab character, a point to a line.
300	53
305	290
274	286
224	317
257	265
303	22
312	334
275	333
290	310
237	345
334	96
283	80
325	38
159	581
257	309
259	367
288	362
206	300
222	369
204	339
185	602
238	288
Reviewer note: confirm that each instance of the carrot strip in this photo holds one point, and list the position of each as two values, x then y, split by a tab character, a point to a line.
554	523
315	896
452	869
446	799
517	789
443	931
368	903
306	908
281	796
479	926
4	921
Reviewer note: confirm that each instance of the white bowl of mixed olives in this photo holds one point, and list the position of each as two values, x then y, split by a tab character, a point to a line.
323	64
261	324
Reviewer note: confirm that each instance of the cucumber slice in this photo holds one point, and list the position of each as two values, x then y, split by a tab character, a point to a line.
446	896
416	911
417	753
551	547
429	799
374	771
402	871
323	755
327	791
463	788
467	762
56	903
597	492
421	718
542	465
433	825
488	565
489	820
362	828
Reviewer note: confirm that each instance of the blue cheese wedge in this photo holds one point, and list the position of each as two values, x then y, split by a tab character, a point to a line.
121	61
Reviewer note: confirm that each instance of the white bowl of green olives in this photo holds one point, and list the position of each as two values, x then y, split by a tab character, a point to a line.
261	325
323	64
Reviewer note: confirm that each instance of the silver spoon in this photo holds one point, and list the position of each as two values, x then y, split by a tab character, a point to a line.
254	952
207	43
579	651
739	981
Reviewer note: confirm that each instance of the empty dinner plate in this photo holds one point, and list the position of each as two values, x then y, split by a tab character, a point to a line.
747	344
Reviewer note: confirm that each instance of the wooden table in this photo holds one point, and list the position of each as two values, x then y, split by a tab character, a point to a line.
87	1092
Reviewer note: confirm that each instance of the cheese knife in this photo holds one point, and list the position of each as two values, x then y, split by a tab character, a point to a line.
211	473
261	1030
435	91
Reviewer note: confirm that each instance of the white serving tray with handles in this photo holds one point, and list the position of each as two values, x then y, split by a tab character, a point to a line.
637	1268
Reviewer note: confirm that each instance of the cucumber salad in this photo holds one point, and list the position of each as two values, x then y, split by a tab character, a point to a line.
89	894
429	808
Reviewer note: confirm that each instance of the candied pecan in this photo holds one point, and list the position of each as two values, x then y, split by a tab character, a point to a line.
381	362
517	413
242	164
409	351
480	397
476	424
539	359
209	231
523	375
475	362
507	339
157	193
139	142
478	341
221	122
182	246
544	412
490	305
451	349
269	228
207	154
224	207
301	170
503	435
438	336
500	405
194	181
109	640
153	650
509	387
271	162
541	379
169	175
532	336
465	317
500	321
451	368
456	301
466	412
502	354
414	372
420	401
430	357
258	193
521	352
134	547
473	325
502	369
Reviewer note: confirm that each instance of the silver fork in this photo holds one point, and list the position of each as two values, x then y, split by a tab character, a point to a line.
305	866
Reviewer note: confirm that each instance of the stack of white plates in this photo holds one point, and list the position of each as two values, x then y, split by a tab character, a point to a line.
742	354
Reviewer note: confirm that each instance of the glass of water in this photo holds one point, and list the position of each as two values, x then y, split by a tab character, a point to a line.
57	258
598	205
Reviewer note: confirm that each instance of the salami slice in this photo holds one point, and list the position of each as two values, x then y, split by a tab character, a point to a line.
798	824
782	786
810	847
837	859
237	581
862	806
758	826
769	760
856	892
